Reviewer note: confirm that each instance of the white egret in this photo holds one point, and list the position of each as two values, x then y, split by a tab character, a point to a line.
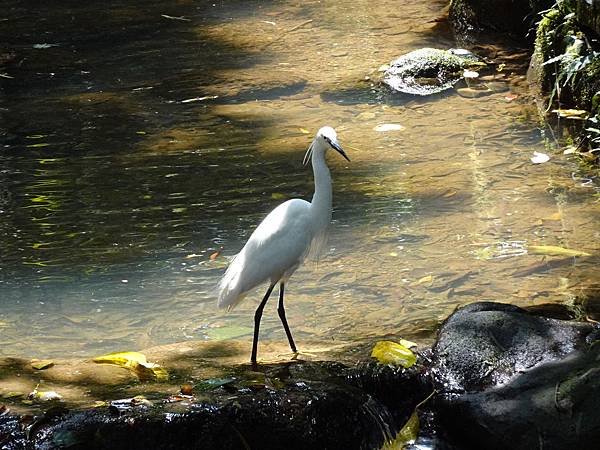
288	235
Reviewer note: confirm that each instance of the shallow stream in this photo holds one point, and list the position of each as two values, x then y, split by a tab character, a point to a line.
137	139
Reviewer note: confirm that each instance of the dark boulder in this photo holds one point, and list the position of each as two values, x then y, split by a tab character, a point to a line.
484	345
320	405
511	16
553	406
509	379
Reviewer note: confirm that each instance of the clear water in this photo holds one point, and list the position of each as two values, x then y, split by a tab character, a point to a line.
133	146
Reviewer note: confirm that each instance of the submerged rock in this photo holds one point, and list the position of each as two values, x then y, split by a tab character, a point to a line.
429	70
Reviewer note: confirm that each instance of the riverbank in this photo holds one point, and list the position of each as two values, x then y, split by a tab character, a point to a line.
496	376
565	62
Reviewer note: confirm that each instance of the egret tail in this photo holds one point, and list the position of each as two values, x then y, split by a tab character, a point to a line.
229	290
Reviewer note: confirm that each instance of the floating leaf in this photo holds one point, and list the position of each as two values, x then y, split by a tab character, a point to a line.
388	127
406	436
388	352
124	359
41	364
213	383
539	158
43	396
425	279
214	255
136	362
278	196
552	250
470	74
577	114
304	131
555	216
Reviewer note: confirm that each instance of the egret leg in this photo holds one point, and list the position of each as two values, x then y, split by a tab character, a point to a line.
281	311
257	317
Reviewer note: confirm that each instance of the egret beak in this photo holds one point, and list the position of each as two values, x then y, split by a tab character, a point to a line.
339	149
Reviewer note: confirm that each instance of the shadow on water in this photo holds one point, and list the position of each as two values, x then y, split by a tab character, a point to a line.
92	113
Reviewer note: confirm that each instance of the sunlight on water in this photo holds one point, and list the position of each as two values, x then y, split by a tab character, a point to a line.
124	167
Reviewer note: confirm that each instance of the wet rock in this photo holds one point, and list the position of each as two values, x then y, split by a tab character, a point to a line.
485	345
511	379
428	70
553	406
319	405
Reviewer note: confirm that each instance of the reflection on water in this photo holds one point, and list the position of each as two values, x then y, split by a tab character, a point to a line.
139	138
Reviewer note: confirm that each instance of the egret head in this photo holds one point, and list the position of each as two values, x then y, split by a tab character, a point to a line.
326	138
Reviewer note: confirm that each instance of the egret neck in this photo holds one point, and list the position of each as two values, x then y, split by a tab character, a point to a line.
320	207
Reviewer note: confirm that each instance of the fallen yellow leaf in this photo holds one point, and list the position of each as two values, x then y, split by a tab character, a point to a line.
136	362
407	435
388	352
552	250
425	279
41	364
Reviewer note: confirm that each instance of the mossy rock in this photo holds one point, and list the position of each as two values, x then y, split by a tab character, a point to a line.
562	57
429	70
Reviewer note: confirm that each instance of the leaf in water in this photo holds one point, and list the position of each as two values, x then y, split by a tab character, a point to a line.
44	396
407	435
425	279
304	131
278	196
539	158
577	114
552	250
213	383
136	362
124	359
41	144
186	389
388	127
228	332
214	255
388	352
553	217
41	364
470	74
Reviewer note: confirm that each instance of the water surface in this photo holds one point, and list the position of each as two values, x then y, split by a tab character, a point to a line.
139	138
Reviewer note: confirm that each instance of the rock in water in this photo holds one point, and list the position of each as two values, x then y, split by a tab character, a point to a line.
429	70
